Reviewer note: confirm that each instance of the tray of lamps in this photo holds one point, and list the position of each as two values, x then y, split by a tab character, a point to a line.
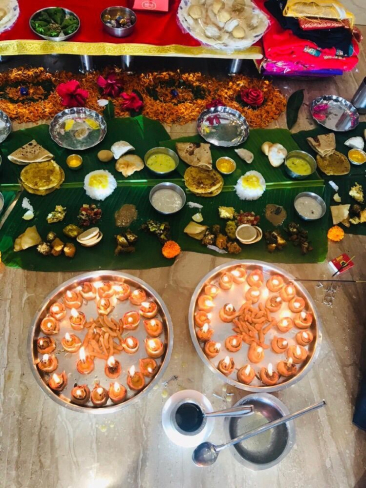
100	341
254	326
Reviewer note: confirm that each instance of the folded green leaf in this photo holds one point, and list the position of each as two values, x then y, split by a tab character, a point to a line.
108	112
293	106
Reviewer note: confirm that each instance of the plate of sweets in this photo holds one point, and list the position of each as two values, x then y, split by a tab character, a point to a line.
254	326
99	341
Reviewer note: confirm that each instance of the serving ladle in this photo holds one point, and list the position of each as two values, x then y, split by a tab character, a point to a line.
206	453
231	412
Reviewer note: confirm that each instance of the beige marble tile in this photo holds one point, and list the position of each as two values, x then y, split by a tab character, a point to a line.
357	7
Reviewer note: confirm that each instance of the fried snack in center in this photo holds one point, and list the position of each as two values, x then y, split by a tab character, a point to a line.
334	164
203	183
128	164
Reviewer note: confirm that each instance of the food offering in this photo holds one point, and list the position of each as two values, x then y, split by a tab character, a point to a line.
9	12
260	334
118	21
299	165
83	350
167	198
42	178
78	128
250	186
195	154
225	165
203	183
99	184
276	153
55	23
161	160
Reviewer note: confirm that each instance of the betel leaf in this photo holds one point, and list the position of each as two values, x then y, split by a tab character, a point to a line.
108	111
293	106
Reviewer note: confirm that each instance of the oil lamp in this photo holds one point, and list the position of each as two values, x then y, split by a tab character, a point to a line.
131	345
268	376
50	326
239	275
246	374
131	320
99	396
233	343
205	303
106	290
104	306
227	313
77	319
255	353
275	283
85	365
148	309
212	349
71	342
212	290
148	367
205	333
80	394
58	382
279	345
58	311
287	368
226	281
117	393
135	379
88	291
154	348
153	327
73	299
122	291
138	296
226	366
45	345
112	368
201	318
298	354
48	363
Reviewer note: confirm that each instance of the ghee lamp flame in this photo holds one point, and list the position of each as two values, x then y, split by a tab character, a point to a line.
209	303
209	316
111	362
151	344
233	342
229	307
118	289
275	282
135	293
227	361
145	304
225	279
247	370
79	393
153	323
304	335
130	319
74	313
69	294
100	391
55	308
255	293
103	302
303	315
235	273
56	379
290	290
270	369
214	289
259	349
45	358
129	342
132	371
98	284
297	305
82	354
298	351
41	342
284	342
289	361
255	277
67	337
217	346
150	370
116	387
278	299
205	328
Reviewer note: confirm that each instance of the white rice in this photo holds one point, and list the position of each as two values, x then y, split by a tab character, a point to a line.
247	193
100	193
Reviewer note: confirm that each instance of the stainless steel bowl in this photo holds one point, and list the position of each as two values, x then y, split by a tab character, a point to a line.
115	12
168	186
315	197
161	150
269	448
57	39
303	155
2	202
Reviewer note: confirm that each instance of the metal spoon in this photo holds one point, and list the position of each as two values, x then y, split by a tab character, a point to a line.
231	412
206	453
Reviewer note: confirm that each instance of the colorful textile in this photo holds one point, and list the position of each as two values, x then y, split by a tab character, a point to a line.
316	24
326	9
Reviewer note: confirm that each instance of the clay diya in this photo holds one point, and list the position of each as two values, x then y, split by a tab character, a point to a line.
131	345
112	368
268	376
122	291
88	291
50	326
273	303
303	320
233	343
205	334
77	319
45	345
279	345
58	311
255	353
71	342
285	324
227	313
58	382
297	304
205	303
275	283
226	281
255	278
72	299
153	327
154	348
253	294
239	275
80	394
135	379
104	306
117	393
304	338
226	366
288	292
201	318
99	396
246	374
148	309
48	363
85	365
212	290
106	290
212	349
138	296
148	367
287	368
298	354
131	320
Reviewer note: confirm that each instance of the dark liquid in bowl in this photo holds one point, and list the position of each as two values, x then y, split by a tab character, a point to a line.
189	417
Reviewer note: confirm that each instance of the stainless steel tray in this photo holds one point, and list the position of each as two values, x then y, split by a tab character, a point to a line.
67	140
223	126
335	113
67	361
59	38
5	131
226	329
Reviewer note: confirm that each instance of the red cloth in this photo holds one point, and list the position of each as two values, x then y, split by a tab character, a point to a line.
157	28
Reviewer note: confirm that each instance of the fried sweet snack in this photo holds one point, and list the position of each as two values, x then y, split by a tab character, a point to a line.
202	182
334	164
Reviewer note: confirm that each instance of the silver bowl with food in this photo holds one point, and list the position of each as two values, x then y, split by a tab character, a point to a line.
300	165
118	21
309	206
161	160
54	23
167	198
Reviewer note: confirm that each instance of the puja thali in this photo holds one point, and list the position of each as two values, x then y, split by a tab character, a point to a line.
78	128
105	331
269	336
335	113
223	126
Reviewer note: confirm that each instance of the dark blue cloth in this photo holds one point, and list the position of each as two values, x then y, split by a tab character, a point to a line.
359	417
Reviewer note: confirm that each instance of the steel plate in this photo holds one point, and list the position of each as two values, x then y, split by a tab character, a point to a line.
334	113
6	126
223	126
59	38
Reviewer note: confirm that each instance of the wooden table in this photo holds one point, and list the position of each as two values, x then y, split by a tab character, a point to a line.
44	445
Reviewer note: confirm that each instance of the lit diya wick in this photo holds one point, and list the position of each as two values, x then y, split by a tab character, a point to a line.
104	306
255	278
274	303
275	283
205	303
80	394
226	281
50	326
255	353
58	382
201	318
131	320
298	354
253	294
99	396
131	345
287	368
137	297
212	349
148	309
77	319
71	342
246	374
112	368
85	365
303	320
122	291
153	327
88	291
268	376
148	367
48	363
227	313
45	345
239	275
212	290
233	343
288	292
117	393
285	324
106	290
205	333
304	338
226	366
154	348
279	345
297	304
58	311
135	379
72	299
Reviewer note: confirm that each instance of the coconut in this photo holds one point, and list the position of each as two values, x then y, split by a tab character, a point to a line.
246	155
265	147
355	143
121	147
276	155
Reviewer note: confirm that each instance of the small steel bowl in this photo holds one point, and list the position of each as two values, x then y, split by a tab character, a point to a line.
161	150
115	12
56	39
314	196
168	186
303	155
5	131
269	448
2	202
354	162
226	172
